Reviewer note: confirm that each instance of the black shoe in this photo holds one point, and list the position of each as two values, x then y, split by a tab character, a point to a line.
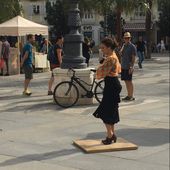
107	141
114	138
127	98
140	65
1	74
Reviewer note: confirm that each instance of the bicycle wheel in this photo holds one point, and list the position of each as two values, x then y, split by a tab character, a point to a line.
98	91
66	94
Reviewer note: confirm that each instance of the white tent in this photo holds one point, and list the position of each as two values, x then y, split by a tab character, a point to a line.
19	26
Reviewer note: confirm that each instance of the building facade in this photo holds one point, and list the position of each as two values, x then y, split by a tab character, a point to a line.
91	27
34	10
135	23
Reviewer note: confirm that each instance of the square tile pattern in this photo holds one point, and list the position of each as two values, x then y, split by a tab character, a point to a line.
94	146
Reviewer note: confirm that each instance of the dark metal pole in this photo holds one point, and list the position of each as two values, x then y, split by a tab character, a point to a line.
73	57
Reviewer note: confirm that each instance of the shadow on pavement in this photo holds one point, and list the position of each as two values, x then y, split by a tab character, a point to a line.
38	157
20	96
32	108
141	137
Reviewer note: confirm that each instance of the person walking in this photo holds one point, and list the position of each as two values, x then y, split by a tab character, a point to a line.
27	63
162	46
86	50
128	54
108	111
140	45
5	51
55	59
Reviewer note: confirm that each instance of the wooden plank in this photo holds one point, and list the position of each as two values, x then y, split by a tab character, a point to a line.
94	146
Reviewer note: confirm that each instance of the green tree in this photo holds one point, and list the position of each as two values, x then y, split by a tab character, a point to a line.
121	6
164	17
117	7
148	21
111	22
9	9
57	15
147	6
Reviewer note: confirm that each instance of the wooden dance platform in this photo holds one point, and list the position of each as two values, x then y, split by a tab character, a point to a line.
94	146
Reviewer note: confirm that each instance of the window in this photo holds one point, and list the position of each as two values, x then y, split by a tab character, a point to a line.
52	2
139	12
88	15
36	9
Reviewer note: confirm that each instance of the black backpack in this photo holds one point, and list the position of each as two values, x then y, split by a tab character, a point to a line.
51	54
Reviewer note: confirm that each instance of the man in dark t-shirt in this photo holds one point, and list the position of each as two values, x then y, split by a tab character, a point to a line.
140	45
127	64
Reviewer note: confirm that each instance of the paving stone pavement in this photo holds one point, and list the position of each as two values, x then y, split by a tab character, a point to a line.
36	134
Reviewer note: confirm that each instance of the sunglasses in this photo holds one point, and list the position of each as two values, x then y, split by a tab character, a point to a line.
126	37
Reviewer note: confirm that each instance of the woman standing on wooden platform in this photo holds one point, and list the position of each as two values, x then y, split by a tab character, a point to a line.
108	108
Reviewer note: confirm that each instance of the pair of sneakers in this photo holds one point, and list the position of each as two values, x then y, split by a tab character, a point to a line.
27	93
127	98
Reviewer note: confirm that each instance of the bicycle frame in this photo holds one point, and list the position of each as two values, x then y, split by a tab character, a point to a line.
78	81
70	91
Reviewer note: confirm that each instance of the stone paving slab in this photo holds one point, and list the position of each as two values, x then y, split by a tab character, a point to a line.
105	162
28	164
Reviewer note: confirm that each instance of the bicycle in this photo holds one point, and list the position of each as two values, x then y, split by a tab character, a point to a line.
66	93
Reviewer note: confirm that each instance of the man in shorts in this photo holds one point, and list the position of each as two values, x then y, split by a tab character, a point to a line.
26	63
129	53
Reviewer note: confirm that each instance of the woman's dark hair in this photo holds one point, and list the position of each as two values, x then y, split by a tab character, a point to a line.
108	42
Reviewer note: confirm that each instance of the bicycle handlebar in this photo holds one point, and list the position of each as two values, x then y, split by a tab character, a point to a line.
93	70
71	70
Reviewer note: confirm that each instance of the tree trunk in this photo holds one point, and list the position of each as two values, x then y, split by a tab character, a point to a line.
118	25
148	23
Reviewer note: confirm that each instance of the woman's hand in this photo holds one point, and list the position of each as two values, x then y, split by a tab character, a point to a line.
131	69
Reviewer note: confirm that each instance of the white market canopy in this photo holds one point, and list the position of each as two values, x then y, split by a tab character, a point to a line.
19	26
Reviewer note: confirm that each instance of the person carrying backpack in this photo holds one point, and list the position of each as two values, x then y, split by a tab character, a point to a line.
54	56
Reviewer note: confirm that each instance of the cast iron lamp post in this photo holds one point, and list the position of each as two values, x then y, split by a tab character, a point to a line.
73	57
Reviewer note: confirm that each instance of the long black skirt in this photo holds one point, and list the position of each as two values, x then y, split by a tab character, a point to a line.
108	110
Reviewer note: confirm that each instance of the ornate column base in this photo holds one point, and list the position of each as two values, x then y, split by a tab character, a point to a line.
73	52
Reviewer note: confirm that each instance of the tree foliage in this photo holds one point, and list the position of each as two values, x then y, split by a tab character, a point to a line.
117	7
164	17
9	9
57	15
